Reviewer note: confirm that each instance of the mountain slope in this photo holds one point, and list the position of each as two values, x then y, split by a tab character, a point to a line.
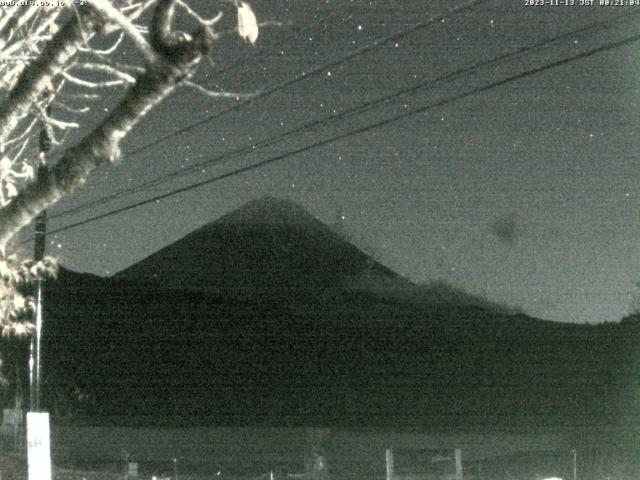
349	358
268	244
187	345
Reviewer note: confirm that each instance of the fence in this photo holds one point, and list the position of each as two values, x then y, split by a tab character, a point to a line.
232	453
12	430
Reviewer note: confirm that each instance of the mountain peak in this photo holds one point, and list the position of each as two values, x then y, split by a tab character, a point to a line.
268	244
269	210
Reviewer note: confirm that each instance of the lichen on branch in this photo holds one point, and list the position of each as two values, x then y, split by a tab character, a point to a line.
177	59
37	75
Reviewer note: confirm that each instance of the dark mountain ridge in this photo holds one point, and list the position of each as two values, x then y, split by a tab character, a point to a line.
294	342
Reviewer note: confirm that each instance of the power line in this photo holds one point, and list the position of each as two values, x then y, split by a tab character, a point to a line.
381	123
345	113
286	83
177	133
313	72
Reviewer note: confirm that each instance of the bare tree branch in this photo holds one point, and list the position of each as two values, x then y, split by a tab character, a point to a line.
42	62
107	51
104	68
22	135
30	41
101	146
109	11
195	15
214	94
37	75
17	19
87	84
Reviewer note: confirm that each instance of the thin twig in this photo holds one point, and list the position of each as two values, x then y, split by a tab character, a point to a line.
214	94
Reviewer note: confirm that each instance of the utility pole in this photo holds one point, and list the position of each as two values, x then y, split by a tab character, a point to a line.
38	430
34	361
389	462
38	254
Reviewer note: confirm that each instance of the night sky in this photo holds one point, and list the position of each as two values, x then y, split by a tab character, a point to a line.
527	193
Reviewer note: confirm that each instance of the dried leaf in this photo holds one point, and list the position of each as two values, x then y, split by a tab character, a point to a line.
247	23
5	166
22	328
5	270
12	191
27	172
19	301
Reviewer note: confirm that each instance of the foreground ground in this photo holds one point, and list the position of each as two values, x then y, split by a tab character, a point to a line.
250	453
14	467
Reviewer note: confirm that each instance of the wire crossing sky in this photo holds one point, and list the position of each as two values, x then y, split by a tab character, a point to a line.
366	128
298	78
493	148
343	114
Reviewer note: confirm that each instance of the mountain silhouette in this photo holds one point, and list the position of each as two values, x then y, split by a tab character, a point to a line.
269	244
266	315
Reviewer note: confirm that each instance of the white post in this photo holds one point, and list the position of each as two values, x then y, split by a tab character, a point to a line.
458	454
38	446
389	458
